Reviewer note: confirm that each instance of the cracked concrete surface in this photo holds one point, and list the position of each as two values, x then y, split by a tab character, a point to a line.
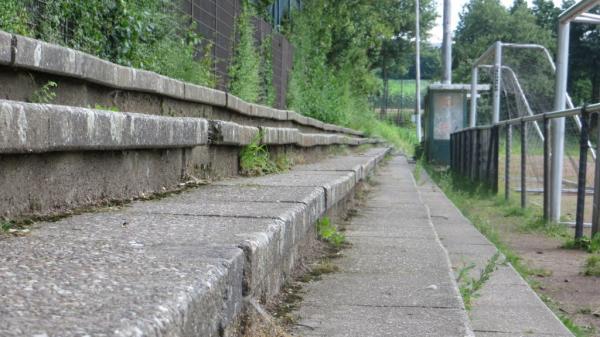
395	279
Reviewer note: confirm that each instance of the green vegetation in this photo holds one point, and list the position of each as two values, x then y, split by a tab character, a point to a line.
403	138
469	287
106	108
13	18
484	208
246	64
592	266
149	34
45	94
336	54
255	159
329	233
577	330
482	22
267	94
585	243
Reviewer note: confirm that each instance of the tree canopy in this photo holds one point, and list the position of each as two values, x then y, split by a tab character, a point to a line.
338	44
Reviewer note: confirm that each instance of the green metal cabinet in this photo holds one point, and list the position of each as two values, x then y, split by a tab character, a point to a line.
445	113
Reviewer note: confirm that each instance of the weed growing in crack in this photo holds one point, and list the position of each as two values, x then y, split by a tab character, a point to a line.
106	108
45	94
469	287
255	159
329	233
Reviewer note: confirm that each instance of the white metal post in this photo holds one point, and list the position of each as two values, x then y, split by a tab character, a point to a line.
497	82
558	124
447	45
473	109
418	70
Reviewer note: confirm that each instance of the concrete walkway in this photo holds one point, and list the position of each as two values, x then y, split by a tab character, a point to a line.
506	306
395	280
409	244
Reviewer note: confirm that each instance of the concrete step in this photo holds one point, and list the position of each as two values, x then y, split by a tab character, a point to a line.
179	266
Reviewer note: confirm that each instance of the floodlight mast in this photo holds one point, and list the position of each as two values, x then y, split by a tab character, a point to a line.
447	45
418	71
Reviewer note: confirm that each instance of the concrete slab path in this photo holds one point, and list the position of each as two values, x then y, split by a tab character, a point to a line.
395	280
409	243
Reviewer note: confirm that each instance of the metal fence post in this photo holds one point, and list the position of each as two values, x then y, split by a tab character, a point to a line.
523	164
507	150
494	158
583	153
596	203
547	168
477	166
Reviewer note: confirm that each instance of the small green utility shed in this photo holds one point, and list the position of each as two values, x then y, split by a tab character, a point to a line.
445	112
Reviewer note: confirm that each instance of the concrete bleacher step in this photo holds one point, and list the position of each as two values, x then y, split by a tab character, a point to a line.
178	266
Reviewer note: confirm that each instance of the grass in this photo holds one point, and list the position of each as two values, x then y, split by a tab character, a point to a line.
469	287
584	243
402	138
484	208
329	233
45	94
592	266
255	160
406	87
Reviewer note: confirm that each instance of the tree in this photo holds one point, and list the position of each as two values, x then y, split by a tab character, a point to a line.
337	46
483	22
546	14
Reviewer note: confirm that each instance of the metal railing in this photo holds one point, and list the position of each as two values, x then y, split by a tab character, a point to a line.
475	155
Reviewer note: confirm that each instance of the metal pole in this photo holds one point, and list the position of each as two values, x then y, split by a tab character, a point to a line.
418	69
558	124
495	158
583	153
497	82
547	168
596	203
473	110
477	157
447	45
507	162
523	164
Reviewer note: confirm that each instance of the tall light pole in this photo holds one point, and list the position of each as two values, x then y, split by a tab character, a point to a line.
418	70
447	45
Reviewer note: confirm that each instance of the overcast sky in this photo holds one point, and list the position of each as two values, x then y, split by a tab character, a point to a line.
457	6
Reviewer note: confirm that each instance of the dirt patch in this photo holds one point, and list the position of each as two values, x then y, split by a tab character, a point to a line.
563	281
